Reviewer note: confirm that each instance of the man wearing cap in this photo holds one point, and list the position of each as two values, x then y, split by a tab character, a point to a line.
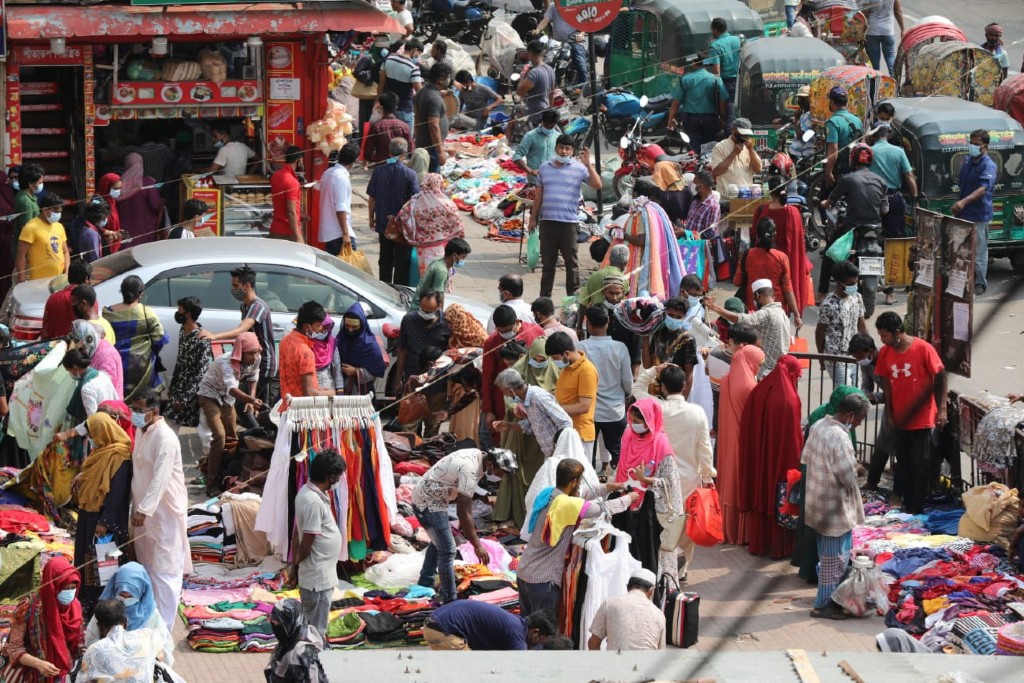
994	44
733	160
550	524
630	621
455	476
841	129
802	122
703	100
218	391
769	321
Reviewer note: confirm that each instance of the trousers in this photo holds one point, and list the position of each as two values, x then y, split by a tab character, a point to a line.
981	255
879	47
220	418
316	607
393	262
557	237
913	466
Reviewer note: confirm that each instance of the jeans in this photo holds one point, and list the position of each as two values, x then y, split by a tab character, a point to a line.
913	465
879	46
842	374
405	116
557	238
790	15
440	555
435	160
730	87
534	597
880	454
700	128
393	262
981	255
611	436
578	51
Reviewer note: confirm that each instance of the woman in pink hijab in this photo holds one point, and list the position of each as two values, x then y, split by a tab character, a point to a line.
140	205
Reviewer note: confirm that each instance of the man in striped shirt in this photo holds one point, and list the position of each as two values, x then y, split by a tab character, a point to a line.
832	502
556	207
400	74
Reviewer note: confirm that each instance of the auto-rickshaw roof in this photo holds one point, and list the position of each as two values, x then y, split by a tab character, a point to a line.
930	117
783	54
685	22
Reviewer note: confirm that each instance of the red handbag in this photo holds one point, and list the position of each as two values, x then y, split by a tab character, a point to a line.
704	517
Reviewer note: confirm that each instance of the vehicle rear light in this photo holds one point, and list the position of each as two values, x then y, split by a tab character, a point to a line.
26	328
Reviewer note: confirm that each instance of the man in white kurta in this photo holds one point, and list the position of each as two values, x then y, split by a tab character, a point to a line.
686	427
159	504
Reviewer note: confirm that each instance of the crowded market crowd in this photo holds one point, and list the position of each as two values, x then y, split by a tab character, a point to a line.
541	480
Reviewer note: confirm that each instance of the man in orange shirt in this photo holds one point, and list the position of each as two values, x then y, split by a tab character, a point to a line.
287	197
576	390
296	361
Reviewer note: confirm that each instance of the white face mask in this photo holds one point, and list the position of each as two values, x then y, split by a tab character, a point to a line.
103	223
114	194
40	190
53	216
638	428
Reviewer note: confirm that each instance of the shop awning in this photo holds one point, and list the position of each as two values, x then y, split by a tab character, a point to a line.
111	23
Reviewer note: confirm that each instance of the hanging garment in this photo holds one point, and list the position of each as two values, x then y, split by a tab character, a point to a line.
608	573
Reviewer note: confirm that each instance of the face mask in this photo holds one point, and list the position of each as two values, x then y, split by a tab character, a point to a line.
16	185
40	190
693	301
511	334
974	150
516	399
218	144
128	602
638	428
460	263
179	318
103	223
865	363
538	364
138	419
114	194
561	364
92	445
673	324
352	331
279	632
546	132
850	289
563	160
53	216
427	316
319	336
66	596
238	294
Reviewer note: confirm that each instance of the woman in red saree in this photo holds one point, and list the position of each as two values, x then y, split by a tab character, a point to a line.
735	388
789	239
109	187
772	440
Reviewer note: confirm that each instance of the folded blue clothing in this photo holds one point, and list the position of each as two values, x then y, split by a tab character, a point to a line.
944	522
909	560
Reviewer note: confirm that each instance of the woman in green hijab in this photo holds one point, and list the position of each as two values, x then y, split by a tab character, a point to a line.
538	371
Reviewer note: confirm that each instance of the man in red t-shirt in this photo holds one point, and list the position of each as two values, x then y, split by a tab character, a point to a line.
59	313
286	190
507	326
914	382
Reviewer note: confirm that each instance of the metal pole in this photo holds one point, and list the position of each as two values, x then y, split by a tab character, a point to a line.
594	122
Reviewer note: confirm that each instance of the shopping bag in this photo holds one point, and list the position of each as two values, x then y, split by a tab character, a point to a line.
533	250
840	249
704	517
355	258
800	345
786	521
393	232
682	612
107	556
413	408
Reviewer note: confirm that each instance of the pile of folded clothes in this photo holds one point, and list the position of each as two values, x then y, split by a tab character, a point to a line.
205	528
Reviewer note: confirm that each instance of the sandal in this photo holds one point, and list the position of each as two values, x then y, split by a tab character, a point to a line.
832	611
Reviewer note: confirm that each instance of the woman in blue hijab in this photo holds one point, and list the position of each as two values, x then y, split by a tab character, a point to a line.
131	585
362	360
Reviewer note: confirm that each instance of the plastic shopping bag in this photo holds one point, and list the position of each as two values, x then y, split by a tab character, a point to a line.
533	250
356	259
864	589
704	517
841	248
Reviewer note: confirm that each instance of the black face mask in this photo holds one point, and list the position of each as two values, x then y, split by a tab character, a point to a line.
179	318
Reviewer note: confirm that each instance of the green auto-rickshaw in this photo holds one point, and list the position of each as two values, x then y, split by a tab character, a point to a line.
771	71
935	133
652	40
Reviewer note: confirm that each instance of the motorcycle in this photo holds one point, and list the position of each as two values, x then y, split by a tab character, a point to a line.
632	148
868	254
463	21
520	123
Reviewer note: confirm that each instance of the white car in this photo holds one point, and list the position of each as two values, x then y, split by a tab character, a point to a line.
287	275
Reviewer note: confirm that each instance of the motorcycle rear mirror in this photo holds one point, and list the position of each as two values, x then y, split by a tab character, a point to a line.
643	101
514	78
624	142
807	136
684	137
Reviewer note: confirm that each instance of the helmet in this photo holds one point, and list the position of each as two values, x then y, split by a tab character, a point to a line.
474	14
782	164
838	94
861	155
648	154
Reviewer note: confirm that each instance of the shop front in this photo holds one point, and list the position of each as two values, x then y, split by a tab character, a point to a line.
88	86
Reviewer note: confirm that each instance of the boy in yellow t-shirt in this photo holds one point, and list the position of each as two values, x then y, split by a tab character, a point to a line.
43	245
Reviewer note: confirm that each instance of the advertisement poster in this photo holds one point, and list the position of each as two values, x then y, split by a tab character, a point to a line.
284	90
212	197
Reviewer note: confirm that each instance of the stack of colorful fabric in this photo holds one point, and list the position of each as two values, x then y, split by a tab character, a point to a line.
206	533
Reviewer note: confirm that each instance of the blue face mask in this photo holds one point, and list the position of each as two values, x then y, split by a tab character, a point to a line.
66	596
850	290
974	150
128	602
538	364
16	185
693	301
460	263
546	132
516	399
561	364
563	160
138	419
676	324
393	160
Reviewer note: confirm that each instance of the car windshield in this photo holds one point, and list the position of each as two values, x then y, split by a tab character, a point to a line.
113	265
359	279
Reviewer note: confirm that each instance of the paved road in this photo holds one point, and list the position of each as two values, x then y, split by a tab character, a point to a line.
973	16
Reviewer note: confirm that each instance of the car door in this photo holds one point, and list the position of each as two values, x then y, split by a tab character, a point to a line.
286	288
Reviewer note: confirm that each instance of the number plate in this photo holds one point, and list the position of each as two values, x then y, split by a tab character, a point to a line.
871	265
